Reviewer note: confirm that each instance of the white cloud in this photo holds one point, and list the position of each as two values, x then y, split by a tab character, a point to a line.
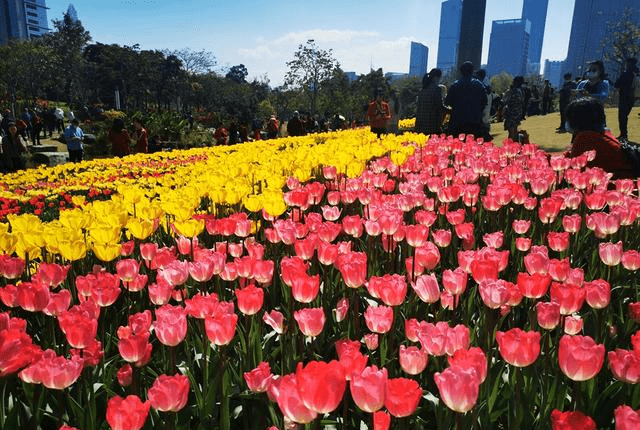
355	51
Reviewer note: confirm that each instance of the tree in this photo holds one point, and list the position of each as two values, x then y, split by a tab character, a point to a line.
309	70
237	73
501	82
622	40
408	89
194	62
67	42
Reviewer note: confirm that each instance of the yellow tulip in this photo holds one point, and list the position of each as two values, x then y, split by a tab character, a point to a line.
106	251
8	243
189	228
141	228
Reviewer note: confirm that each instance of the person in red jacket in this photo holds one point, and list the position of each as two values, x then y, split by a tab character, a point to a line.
586	119
378	114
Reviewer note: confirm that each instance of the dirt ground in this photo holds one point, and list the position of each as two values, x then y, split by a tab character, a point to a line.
542	129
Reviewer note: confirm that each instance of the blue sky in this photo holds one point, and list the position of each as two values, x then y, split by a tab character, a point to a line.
263	35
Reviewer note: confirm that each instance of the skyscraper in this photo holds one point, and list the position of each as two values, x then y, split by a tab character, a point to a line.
22	19
418	59
536	12
509	47
589	27
450	16
553	72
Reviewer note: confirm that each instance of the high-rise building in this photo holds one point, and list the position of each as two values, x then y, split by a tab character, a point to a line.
22	19
536	12
553	71
449	40
71	11
590	25
509	47
418	59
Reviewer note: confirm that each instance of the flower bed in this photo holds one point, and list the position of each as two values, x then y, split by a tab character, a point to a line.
331	279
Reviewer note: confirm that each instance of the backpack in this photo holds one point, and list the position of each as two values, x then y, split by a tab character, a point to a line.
632	153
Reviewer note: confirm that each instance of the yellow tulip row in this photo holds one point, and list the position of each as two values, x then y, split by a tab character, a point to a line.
151	189
407	124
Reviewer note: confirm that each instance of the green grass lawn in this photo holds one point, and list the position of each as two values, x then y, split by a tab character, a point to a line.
542	129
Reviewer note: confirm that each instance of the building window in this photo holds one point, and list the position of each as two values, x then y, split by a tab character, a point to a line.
32	14
35	29
33	21
31	7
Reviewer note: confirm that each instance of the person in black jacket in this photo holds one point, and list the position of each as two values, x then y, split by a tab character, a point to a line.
565	98
624	84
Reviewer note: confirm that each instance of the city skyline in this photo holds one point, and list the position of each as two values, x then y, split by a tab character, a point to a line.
264	38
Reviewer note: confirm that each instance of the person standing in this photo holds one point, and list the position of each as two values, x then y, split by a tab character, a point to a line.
565	97
514	107
429	107
73	135
13	148
467	98
626	93
394	109
119	139
142	137
596	84
295	126
378	114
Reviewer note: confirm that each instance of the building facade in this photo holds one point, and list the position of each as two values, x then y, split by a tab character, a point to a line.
590	25
535	11
418	60
449	39
22	19
553	72
509	47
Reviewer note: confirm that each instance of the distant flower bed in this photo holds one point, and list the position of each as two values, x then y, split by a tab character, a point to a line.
407	124
334	279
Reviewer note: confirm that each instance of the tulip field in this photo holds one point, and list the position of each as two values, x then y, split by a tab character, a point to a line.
333	281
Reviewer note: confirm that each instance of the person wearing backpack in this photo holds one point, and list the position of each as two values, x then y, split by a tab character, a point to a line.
626	92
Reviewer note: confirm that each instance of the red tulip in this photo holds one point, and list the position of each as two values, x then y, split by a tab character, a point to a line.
275	319
350	357
250	299
558	241
625	365
598	293
51	274
91	355
634	311
52	371
548	314
103	287
140	322
631	260
416	235
580	358
549	209
521	226
470	358
427	256
221	327
285	391
290	268
353	268
519	348
11	267
572	223
353	225
523	244
125	375
434	337
573	325
379	319
134	348
259	379
321	385
371	340
129	413
32	296
559	269
533	286
305	288
484	269
341	309
442	238
127	269
412	360
570	297
402	397
16	351
454	281
537	262
391	289
79	326
610	253
626	418
494	292
58	303
368	388
381	420
169	393
459	387
310	321
170	326
571	420
426	287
